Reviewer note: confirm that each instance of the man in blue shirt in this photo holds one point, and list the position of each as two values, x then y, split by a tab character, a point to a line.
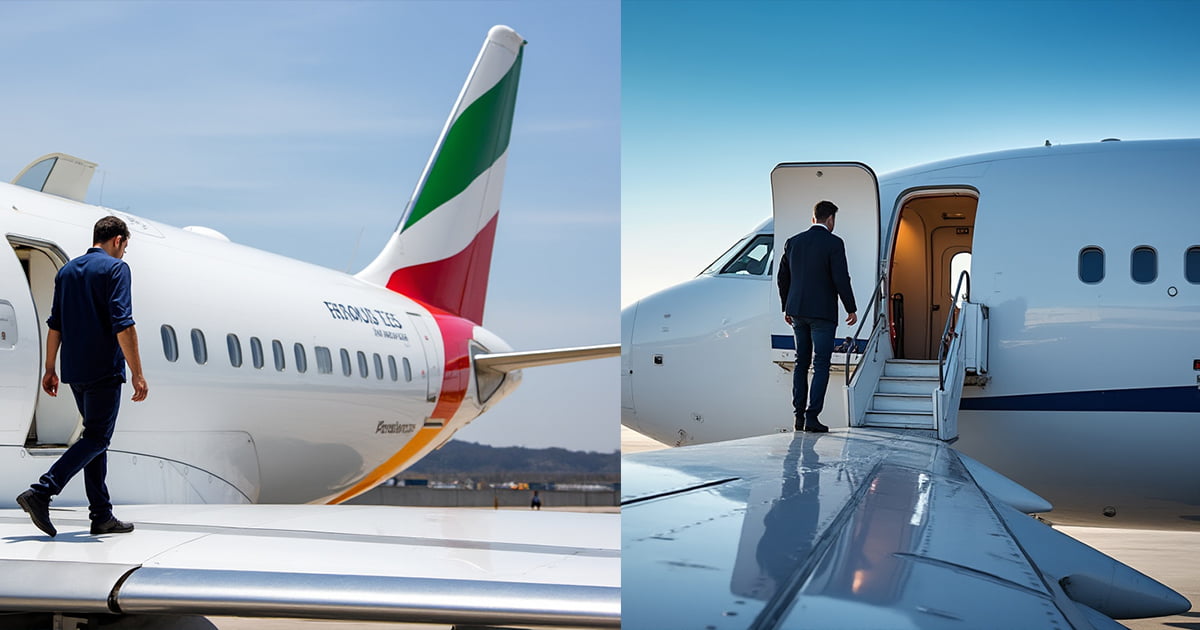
92	321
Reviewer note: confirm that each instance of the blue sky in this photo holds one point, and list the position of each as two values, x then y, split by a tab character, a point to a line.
301	128
714	94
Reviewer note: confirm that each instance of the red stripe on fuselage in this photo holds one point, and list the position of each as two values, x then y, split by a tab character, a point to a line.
456	335
456	285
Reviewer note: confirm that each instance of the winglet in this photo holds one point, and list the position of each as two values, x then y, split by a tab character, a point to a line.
441	251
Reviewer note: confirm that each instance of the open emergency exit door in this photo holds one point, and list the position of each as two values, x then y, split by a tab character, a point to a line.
853	188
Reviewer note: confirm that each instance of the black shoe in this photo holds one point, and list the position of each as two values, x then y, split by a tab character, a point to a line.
813	426
111	526
38	508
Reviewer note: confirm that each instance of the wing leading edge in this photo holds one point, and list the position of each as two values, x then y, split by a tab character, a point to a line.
855	529
370	563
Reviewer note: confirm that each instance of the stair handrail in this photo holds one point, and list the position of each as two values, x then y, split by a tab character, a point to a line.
875	297
944	346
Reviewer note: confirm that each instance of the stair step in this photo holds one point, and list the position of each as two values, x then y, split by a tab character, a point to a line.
887	401
908	420
910	368
907	385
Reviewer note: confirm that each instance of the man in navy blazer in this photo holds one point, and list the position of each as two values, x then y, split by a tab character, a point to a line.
812	276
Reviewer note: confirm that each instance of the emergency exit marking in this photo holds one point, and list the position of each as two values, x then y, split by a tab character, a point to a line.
962	230
1196	364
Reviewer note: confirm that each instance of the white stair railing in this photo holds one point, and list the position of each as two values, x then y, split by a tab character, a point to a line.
951	361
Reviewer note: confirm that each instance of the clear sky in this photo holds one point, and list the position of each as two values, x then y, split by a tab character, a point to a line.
301	128
714	94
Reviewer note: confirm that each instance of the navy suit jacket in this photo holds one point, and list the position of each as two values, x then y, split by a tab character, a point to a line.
813	274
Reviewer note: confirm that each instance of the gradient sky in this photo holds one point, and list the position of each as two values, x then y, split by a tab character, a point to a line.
715	94
301	128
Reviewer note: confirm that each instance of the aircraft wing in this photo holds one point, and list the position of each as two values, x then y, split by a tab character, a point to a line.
855	529
375	563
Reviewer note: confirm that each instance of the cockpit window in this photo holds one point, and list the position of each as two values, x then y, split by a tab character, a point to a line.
752	260
723	259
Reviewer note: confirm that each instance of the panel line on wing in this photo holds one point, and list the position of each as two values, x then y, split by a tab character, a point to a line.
966	569
679	491
414	541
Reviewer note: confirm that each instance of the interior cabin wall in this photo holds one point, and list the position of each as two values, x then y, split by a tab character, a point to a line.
919	253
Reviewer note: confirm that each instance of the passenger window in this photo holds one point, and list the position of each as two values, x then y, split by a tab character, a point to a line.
235	349
301	359
256	353
1191	265
378	367
1143	265
407	371
199	348
959	263
753	260
362	364
324	360
392	368
346	369
170	345
1091	265
277	350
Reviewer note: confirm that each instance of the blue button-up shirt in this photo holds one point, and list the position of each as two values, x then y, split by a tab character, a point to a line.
91	305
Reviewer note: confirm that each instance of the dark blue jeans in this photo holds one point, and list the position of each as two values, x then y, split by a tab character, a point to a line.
814	343
98	402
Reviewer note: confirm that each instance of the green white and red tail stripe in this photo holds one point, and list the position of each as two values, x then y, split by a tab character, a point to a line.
441	251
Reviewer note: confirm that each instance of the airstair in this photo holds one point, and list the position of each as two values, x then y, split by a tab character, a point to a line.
883	391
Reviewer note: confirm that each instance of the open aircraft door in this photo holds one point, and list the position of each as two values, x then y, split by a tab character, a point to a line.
20	350
795	189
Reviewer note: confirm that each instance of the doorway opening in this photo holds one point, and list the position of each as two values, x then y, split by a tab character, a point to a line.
56	420
930	249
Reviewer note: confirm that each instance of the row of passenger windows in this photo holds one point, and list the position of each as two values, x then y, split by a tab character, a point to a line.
324	356
1143	264
755	259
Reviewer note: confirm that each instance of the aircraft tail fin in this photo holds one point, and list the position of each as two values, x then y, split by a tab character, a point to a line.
441	251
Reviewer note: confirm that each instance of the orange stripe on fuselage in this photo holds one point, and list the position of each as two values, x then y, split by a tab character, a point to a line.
456	333
393	465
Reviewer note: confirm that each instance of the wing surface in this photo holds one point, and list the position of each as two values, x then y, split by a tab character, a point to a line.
429	565
855	529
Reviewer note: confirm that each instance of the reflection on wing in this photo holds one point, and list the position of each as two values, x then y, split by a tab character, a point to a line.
454	566
855	529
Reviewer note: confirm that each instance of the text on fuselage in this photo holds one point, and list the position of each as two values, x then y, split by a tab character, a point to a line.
394	427
363	314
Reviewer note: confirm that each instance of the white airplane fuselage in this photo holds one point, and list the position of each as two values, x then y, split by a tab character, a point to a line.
1087	258
285	425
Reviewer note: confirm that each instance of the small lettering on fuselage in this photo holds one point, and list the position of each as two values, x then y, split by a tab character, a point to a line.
370	317
394	427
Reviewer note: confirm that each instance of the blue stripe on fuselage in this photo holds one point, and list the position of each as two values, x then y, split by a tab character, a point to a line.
1184	399
788	342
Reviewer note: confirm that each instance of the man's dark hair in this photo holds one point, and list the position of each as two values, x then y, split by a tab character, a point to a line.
108	227
823	210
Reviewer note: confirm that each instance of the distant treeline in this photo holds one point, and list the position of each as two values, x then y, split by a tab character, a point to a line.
457	460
